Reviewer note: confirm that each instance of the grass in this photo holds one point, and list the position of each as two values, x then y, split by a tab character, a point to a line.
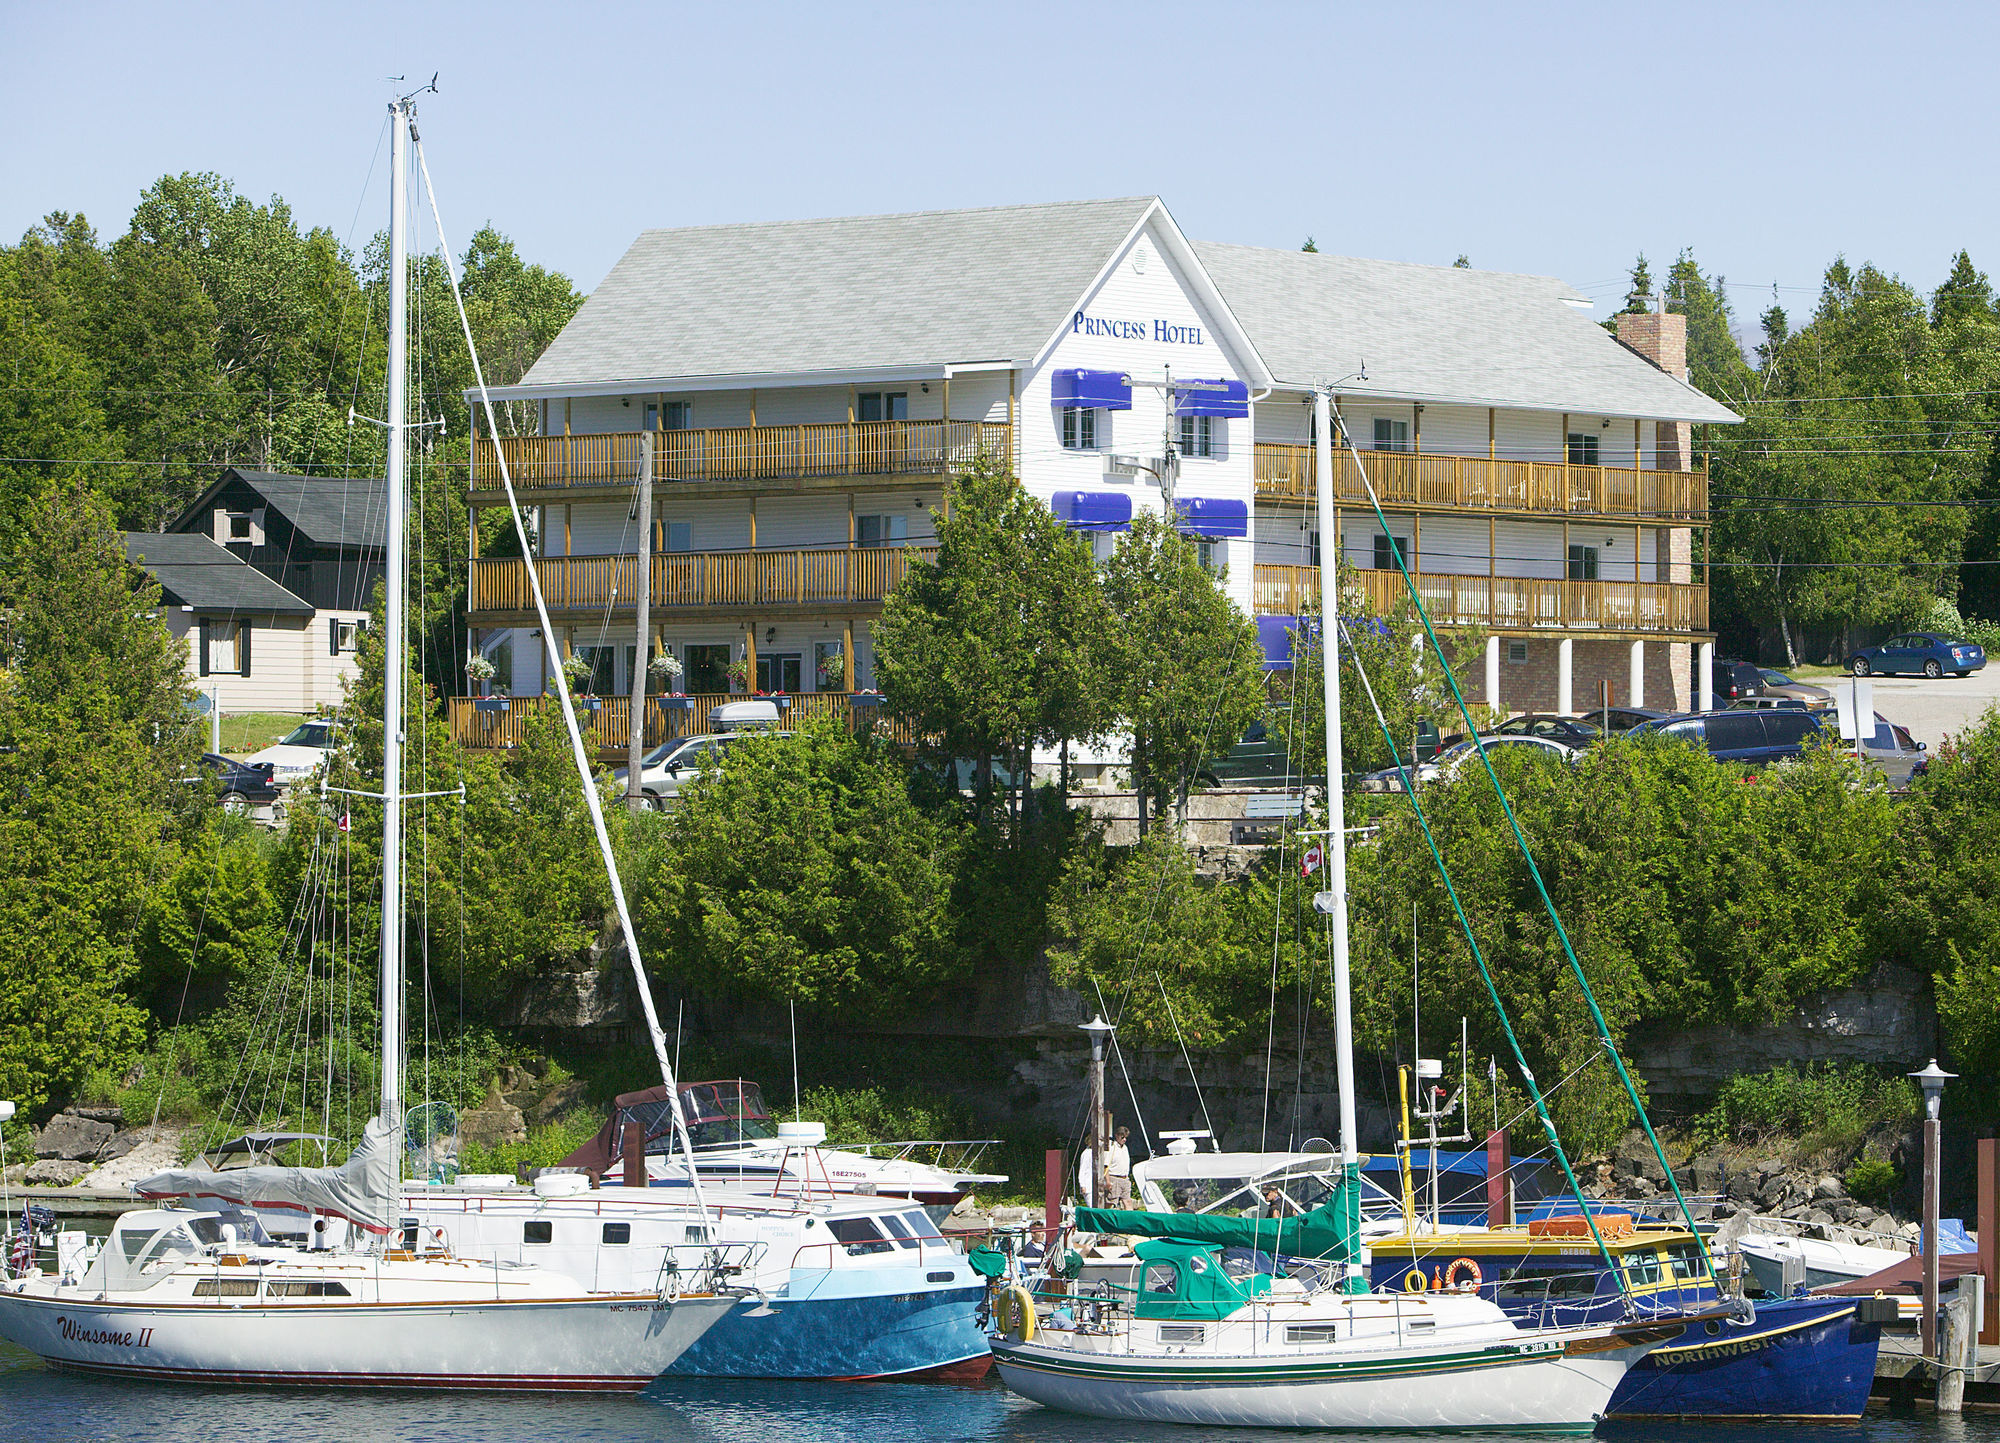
252	731
1812	673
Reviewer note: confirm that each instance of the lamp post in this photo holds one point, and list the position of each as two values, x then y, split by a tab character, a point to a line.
1932	1079
1100	1033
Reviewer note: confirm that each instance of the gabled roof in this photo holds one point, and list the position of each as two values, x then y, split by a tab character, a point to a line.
194	571
330	510
855	293
1440	333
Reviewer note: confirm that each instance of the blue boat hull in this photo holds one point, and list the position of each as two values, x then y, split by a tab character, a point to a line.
1802	1358
883	1335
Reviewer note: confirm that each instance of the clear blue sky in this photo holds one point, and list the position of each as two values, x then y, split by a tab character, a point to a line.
1552	139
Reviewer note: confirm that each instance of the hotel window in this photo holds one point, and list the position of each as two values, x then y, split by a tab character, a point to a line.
780	671
1385	552
225	648
882	406
1197	435
677	416
1391	435
1583	561
676	536
1079	428
1583	448
890	530
1208	553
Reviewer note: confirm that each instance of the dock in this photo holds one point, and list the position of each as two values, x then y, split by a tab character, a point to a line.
77	1202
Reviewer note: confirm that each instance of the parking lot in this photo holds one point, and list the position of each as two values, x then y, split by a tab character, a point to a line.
1932	708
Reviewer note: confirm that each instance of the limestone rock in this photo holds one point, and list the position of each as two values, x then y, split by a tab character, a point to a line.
1710	1174
112	1114
73	1138
136	1153
53	1172
494	1122
558	1100
1828	1187
1635	1156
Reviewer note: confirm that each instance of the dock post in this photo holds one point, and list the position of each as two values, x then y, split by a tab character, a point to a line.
1958	1347
1989	1245
1052	1178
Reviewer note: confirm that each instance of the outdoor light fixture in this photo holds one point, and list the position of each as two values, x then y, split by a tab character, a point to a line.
6	1112
770	634
1932	1079
1100	1033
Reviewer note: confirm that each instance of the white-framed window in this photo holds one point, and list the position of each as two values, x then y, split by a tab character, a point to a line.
225	648
1079	428
1197	435
1583	560
1209	553
891	529
1391	435
344	637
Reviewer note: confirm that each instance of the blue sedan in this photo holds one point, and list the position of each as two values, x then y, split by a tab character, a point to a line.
1918	651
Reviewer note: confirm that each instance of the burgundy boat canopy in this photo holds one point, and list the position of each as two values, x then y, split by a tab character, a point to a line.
717	1113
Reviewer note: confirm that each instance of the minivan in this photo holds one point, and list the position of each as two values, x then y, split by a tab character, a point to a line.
1748	738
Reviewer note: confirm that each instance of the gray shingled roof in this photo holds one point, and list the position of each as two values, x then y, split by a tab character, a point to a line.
332	510
936	287
1439	333
194	571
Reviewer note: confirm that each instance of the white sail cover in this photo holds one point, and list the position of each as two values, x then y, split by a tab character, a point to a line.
362	1190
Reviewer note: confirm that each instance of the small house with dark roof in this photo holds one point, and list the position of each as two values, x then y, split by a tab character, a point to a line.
269	578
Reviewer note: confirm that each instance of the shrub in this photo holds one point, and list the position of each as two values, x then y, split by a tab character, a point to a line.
1873	1180
1828	1108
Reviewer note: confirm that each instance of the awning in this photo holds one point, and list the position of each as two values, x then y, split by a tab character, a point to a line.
1099	390
1232	400
1213	517
1274	639
1093	510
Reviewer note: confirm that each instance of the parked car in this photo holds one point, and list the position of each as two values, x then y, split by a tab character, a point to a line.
1775	703
672	766
1776	683
300	753
1733	680
1571	731
1751	737
1622	719
1918	651
1259	757
241	787
1895	753
1454	759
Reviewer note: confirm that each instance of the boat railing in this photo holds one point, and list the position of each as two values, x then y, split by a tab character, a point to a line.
1263	1326
707	1267
947	1154
1831	1232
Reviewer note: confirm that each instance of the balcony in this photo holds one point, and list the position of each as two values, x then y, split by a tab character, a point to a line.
1529	488
1502	603
834	577
829	452
495	723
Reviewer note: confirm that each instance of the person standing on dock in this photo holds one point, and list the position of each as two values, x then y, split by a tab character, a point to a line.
1118	1171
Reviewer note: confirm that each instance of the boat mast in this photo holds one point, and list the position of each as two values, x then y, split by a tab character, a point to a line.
392	626
1349	1189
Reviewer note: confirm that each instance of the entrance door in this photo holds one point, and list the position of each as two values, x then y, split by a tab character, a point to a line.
780	672
707	669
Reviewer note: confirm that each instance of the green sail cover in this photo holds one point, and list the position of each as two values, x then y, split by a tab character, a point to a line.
1331	1231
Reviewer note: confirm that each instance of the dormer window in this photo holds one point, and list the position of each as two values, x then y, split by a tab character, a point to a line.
238	528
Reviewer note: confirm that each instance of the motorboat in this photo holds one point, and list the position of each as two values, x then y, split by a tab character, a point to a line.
1781	1262
737	1143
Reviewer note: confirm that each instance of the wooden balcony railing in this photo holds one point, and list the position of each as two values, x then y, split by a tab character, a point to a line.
1285	473
496	722
696	578
742	453
1500	603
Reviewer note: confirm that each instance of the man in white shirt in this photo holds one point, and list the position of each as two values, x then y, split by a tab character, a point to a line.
1118	1171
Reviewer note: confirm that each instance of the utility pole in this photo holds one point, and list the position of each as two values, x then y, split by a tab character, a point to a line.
635	752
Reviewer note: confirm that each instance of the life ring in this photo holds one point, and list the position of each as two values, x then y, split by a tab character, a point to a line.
1415	1281
1473	1278
1016	1311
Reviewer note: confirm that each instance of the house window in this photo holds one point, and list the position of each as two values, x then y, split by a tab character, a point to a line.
1583	448
603	662
1583	563
1208	553
1386	551
1079	428
892	529
225	648
829	666
1197	435
882	406
1517	652
343	637
779	672
707	669
1391	435
676	416
676	536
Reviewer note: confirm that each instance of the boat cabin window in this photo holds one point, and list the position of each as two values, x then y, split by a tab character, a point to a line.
721	1113
308	1288
1183	1333
537	1230
226	1288
860	1235
902	1233
920	1224
1642	1268
697	1234
617	1234
1685	1262
1313	1333
1162	1280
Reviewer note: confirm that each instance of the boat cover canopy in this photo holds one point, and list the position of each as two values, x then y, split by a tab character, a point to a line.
1321	1233
362	1190
1185	1282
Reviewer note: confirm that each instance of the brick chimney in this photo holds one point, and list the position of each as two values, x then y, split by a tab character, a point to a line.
1662	338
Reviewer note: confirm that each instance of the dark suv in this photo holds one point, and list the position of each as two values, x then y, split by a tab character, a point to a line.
1734	680
1745	738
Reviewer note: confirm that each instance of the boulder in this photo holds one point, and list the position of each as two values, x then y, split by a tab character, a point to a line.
1710	1174
493	1123
73	1138
1829	1187
54	1172
1742	1186
1635	1156
558	1100
1863	1216
113	1115
1771	1192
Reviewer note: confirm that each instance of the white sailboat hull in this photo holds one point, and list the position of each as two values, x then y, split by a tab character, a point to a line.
1532	1387
615	1344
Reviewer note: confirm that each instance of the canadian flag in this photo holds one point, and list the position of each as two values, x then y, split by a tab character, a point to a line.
1313	860
345	823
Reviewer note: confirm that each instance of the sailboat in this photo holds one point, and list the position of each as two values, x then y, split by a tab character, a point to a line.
1200	1339
202	1293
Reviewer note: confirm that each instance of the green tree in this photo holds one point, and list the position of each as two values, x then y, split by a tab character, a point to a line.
1185	668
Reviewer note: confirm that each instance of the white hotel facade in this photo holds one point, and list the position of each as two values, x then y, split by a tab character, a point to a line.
810	387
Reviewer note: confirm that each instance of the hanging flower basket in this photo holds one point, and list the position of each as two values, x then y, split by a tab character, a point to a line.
832	670
738	672
480	668
666	667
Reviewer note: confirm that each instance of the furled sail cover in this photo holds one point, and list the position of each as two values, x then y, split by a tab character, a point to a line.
362	1190
1330	1231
